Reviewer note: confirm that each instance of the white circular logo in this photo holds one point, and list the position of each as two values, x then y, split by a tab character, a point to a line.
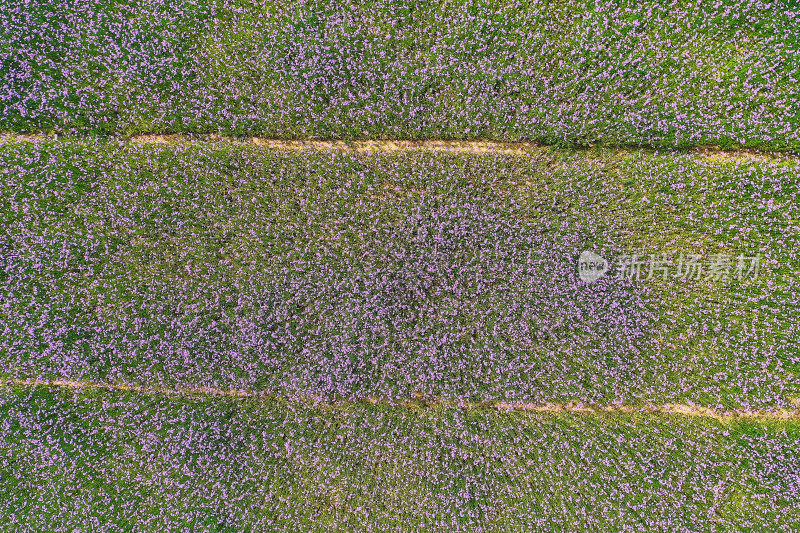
591	266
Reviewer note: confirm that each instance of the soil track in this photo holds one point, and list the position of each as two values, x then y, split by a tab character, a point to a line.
420	401
474	147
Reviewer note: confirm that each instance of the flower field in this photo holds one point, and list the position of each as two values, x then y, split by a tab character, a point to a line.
162	463
342	274
399	266
578	73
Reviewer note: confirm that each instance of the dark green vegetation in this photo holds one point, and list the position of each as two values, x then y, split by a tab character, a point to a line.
153	463
353	274
656	73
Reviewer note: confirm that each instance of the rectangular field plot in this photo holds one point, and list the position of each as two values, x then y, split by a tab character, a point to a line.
164	463
652	73
345	274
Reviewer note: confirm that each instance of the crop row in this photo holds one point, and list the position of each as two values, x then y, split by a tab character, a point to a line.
355	275
131	462
657	73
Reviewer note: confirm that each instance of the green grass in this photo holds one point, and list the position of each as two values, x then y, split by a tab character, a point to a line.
137	462
167	244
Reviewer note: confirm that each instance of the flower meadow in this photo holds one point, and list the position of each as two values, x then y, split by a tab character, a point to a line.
337	274
651	73
125	462
324	280
216	331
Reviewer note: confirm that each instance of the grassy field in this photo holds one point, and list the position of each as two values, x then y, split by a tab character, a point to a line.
345	274
75	460
575	73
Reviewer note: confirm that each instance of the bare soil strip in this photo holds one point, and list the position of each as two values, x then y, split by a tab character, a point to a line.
420	401
474	147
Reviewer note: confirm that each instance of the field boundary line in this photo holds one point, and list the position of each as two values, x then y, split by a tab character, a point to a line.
420	401
439	145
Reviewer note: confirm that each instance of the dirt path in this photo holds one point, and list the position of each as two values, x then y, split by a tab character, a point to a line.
474	147
419	401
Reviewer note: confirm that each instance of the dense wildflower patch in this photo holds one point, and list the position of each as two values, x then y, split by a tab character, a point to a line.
135	462
656	73
342	274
